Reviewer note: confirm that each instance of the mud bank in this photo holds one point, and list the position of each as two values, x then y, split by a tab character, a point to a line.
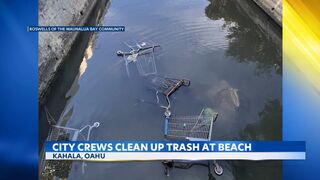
54	48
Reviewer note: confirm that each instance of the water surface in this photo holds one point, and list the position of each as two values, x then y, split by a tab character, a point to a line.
230	51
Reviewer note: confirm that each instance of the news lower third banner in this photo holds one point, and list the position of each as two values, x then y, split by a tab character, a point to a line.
166	150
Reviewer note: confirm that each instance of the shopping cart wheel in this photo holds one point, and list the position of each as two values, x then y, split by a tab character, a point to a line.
167	113
218	170
186	82
119	53
96	124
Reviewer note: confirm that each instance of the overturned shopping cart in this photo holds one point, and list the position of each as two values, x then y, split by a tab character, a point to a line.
191	128
142	54
165	86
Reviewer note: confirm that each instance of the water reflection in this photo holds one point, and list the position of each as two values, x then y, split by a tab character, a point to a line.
262	170
253	38
88	53
268	128
270	125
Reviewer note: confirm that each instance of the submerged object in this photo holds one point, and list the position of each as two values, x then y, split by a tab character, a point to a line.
120	53
234	96
143	55
208	113
228	98
132	57
191	128
139	48
65	133
165	86
223	94
212	165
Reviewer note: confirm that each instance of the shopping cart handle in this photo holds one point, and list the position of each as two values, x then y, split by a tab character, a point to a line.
166	121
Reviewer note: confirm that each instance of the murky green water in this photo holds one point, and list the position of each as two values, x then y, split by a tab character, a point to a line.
230	51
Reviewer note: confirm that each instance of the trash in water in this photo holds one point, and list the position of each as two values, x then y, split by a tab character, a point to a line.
212	165
68	133
132	57
229	97
138	49
64	133
166	86
142	54
146	65
191	128
234	96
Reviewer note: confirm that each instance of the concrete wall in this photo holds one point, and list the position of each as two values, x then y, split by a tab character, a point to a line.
273	8
55	46
271	29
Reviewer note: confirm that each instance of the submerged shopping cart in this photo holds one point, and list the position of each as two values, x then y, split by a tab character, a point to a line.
59	133
165	86
64	133
191	128
142	54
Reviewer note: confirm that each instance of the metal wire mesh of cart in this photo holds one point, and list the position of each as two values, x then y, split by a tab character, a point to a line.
192	128
143	54
71	134
64	133
165	85
146	64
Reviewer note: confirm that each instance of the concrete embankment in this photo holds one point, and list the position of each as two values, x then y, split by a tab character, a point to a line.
271	29
54	47
273	8
61	53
